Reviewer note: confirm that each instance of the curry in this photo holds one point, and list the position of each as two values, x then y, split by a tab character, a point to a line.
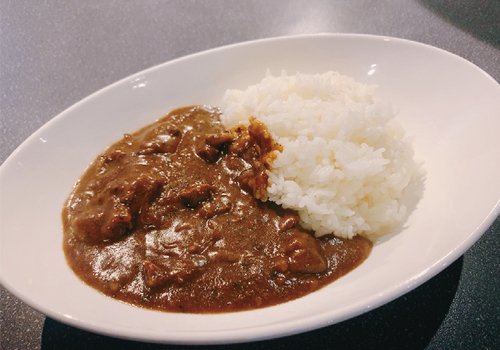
174	217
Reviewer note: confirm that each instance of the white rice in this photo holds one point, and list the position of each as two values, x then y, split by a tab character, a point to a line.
345	164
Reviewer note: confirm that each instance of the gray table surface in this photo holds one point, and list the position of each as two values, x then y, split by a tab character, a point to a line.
54	53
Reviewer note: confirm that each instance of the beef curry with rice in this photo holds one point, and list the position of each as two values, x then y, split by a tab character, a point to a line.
174	217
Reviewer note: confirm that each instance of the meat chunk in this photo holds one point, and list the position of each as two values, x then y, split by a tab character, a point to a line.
304	254
208	153
226	256
256	146
153	275
114	211
242	141
279	264
102	225
158	274
114	156
137	193
214	145
166	141
217	206
259	132
254	181
159	207
289	221
117	221
194	195
164	144
219	140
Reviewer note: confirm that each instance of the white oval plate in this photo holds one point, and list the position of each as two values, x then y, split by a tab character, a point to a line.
449	106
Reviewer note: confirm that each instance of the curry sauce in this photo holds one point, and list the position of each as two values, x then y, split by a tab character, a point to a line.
173	217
